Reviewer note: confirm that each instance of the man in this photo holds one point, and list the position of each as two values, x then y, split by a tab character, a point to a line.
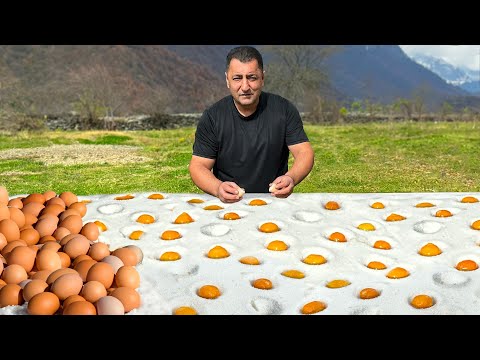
246	137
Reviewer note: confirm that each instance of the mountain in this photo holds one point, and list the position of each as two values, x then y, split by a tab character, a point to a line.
188	78
459	76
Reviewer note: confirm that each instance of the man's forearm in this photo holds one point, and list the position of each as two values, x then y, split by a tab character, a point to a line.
205	180
301	167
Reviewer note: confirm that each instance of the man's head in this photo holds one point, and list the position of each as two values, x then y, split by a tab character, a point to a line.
245	76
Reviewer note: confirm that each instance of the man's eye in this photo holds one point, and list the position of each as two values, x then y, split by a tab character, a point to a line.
237	78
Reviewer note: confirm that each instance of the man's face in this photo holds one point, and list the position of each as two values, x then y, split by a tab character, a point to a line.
245	81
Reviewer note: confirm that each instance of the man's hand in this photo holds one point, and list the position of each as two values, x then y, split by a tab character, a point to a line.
282	186
229	192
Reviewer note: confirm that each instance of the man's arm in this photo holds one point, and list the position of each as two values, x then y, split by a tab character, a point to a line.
200	169
303	159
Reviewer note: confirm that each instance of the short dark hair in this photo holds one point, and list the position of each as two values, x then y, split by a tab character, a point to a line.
245	54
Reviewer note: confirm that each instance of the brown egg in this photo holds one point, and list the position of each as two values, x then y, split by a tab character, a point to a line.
17	216
101	272
3	196
34	287
68	213
10	229
80	258
93	290
54	275
11	245
109	305
33	208
3	241
129	297
46	226
34	197
90	231
98	251
30	236
80	308
53	209
66	285
60	233
127	255
41	275
71	299
23	256
15	202
48	260
68	197
46	238
11	294
49	194
79	245
44	303
82	268
65	259
51	245
127	276
14	274
138	251
80	207
67	238
30	219
2	283
73	223
4	212
114	261
57	201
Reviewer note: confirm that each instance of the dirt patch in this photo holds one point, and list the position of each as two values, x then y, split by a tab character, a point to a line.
77	154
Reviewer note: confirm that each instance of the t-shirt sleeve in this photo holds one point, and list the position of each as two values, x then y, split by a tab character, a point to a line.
205	143
295	133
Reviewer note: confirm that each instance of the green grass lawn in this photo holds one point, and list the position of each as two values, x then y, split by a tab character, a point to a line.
359	158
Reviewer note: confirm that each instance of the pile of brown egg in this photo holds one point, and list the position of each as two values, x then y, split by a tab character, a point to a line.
53	262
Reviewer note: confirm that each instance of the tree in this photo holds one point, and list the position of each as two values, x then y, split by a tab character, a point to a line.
297	71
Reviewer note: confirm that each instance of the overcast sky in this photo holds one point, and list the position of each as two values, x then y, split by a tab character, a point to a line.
459	55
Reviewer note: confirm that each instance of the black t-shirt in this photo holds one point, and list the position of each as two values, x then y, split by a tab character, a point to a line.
251	151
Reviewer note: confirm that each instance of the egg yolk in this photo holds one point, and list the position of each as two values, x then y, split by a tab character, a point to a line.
467	265
313	307
335	284
424	205
430	250
395	217
294	274
382	244
269	227
398	273
314	259
135	235
337	236
277	245
376	265
257	202
366	227
443	213
195	201
377	205
422	301
124	197
249	260
170	256
213	207
184	310
368	293
476	225
218	252
231	216
183	218
170	235
262	284
86	201
146	219
332	205
209	292
469	199
156	197
101	225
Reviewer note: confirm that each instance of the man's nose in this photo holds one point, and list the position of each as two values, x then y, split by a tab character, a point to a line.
245	85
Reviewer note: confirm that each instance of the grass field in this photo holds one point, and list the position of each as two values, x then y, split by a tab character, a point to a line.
359	158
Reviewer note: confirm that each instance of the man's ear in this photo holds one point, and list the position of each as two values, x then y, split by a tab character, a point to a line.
226	79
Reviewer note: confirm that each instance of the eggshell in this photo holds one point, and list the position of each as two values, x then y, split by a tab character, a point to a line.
129	297
34	197
4	212
80	207
80	308
79	245
33	208
14	274
93	290
30	236
66	285
101	272
3	196
17	216
11	294
73	223
138	251
60	232
90	231
53	209
65	259
46	225
67	213
48	260
3	241
82	268
109	305
30	219
57	201
114	261
71	299
46	238
11	245
127	276
34	287
127	255
10	229
68	197
41	275
98	251
49	194
80	258
51	245
54	275
23	256
15	202
44	303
